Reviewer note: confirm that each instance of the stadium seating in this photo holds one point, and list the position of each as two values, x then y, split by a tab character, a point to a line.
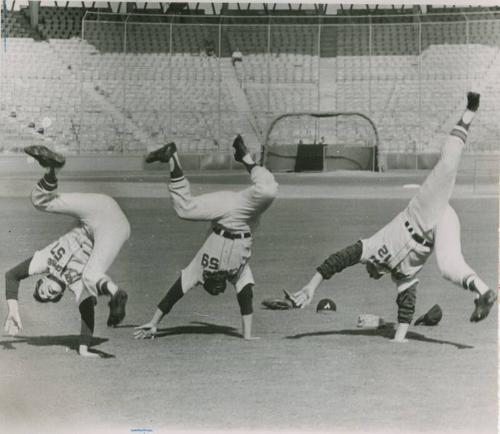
15	24
60	23
110	93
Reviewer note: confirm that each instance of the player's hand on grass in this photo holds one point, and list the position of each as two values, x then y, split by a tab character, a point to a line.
83	350
303	297
145	331
13	324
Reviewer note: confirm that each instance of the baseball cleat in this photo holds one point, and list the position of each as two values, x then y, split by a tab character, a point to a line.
483	306
117	308
162	154
240	150
45	157
473	101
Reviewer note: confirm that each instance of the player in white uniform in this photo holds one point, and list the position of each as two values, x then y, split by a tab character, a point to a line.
79	259
225	253
402	247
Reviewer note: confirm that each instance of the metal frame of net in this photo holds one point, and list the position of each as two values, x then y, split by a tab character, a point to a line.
349	129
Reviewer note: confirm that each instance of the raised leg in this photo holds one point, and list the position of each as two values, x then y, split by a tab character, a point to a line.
427	207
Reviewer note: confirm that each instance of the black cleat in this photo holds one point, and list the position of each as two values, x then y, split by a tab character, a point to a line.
483	306
45	157
240	150
162	154
117	308
473	101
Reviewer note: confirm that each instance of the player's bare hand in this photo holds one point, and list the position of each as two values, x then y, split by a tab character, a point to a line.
290	298
303	297
13	324
83	350
145	331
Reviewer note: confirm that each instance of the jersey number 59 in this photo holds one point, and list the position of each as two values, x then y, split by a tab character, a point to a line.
210	263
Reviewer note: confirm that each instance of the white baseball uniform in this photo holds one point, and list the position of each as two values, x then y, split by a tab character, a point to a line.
81	257
403	246
234	215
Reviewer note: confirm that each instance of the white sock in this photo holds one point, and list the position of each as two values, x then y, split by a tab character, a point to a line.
474	283
248	159
467	117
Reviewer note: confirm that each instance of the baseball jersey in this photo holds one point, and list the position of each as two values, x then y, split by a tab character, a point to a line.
219	253
66	259
234	212
393	250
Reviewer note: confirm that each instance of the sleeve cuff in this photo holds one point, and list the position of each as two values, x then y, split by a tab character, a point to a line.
324	275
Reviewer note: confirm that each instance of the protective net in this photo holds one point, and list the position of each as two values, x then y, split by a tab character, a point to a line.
351	136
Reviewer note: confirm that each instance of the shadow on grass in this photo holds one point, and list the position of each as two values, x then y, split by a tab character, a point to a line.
386	332
69	341
202	328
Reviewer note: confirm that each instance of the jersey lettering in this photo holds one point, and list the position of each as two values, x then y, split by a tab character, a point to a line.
208	262
381	259
68	256
57	252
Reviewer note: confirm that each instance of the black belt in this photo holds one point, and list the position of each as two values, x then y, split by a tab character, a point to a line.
231	235
418	238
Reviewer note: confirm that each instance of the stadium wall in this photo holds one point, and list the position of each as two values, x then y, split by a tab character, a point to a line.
14	164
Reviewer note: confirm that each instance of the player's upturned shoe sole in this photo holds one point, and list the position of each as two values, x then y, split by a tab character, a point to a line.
473	101
45	157
483	306
117	306
162	154
240	150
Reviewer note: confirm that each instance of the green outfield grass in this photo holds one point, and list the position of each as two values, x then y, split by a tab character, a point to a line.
308	371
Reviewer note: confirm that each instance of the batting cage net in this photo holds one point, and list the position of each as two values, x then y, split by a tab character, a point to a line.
321	141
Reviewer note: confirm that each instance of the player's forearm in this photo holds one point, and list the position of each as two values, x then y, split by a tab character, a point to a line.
315	281
13	306
245	300
340	260
13	277
157	317
406	304
402	329
173	295
87	321
246	321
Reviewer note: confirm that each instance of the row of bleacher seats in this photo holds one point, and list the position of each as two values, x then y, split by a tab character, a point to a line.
437	61
188	97
15	24
285	68
282	100
403	39
338	39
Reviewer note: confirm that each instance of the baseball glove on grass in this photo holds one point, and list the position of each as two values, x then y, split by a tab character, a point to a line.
279	303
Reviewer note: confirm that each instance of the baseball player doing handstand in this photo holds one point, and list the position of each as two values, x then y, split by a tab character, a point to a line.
225	253
402	247
79	259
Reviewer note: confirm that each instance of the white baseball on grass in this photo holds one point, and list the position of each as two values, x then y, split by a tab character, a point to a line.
46	122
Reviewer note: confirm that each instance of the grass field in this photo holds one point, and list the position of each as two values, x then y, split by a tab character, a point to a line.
308	372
